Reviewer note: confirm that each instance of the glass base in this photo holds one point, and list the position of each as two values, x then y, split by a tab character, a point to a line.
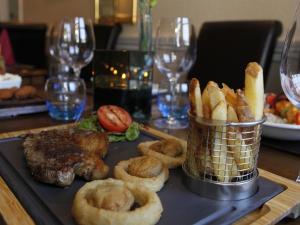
171	124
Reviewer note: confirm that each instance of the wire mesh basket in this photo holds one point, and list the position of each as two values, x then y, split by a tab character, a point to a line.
223	153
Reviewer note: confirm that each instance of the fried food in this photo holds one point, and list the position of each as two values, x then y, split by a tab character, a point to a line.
170	151
242	153
229	94
25	92
195	98
242	108
206	100
118	199
145	167
223	164
108	202
6	94
254	89
145	170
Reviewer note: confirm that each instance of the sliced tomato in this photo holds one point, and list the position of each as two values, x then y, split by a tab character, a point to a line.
114	118
270	99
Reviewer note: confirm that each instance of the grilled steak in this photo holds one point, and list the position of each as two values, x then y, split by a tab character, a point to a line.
55	156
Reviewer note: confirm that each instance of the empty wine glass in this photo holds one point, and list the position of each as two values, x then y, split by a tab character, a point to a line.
175	52
290	65
56	65
76	42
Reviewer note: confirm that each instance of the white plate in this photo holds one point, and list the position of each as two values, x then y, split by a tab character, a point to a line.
281	131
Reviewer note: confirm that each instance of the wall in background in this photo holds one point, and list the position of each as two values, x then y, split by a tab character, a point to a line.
4	13
198	10
50	11
213	10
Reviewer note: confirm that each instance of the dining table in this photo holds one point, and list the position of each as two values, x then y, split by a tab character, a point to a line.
279	162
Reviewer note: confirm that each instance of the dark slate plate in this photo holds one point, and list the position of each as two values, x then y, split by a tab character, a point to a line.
51	205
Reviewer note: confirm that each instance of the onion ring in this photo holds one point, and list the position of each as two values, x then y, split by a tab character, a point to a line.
85	213
154	183
170	161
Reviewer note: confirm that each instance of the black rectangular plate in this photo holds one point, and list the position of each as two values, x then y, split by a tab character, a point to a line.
52	205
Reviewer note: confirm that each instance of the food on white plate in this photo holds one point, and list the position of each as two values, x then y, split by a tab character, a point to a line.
146	171
171	152
109	202
56	156
254	89
114	118
9	80
278	109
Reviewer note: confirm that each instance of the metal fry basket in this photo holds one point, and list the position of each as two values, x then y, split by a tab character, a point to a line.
221	160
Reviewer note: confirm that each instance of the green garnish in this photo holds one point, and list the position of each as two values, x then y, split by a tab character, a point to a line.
91	123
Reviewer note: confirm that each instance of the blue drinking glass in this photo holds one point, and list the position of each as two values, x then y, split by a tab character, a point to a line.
181	103
65	97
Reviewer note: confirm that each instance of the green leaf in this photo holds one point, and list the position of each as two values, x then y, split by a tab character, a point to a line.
116	138
89	123
92	124
132	132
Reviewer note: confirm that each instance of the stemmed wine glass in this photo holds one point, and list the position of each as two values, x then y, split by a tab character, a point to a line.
56	65
76	42
175	52
290	65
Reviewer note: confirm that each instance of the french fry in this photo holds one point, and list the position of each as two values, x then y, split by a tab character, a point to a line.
242	153
205	95
254	89
195	98
242	108
230	95
223	164
206	111
215	96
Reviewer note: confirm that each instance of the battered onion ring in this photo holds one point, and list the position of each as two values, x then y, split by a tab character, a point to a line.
152	183
148	213
171	162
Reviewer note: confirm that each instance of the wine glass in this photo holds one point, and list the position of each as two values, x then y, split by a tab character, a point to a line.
175	52
76	42
56	65
290	65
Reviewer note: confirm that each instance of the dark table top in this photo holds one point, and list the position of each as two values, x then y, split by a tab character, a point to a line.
276	161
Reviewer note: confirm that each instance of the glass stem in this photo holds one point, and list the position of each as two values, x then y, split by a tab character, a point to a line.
173	82
77	72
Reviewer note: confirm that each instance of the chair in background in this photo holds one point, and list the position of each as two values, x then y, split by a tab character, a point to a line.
106	37
225	48
28	43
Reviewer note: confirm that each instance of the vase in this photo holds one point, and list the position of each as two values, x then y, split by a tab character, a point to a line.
145	29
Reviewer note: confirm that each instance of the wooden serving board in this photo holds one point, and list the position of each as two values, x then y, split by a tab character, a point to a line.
272	211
